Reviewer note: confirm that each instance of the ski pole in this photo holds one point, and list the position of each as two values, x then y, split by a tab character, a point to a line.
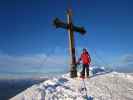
85	87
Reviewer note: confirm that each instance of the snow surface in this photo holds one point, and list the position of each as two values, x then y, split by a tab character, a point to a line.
105	86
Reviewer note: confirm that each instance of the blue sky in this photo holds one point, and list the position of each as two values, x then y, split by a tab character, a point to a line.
27	33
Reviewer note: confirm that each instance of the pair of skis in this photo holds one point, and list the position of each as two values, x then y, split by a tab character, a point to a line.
83	90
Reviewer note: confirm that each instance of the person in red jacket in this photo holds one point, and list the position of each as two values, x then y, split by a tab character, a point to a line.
86	60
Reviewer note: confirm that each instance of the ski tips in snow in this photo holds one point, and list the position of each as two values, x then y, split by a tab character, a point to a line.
89	98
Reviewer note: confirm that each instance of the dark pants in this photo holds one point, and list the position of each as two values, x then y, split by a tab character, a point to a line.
85	67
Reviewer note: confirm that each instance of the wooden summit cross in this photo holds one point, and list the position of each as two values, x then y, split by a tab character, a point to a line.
71	29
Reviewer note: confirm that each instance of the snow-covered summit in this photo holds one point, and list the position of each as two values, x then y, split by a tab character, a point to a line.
109	86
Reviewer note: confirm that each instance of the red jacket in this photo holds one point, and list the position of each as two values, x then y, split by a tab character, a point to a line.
85	57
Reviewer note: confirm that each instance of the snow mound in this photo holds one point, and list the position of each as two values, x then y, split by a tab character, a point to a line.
109	86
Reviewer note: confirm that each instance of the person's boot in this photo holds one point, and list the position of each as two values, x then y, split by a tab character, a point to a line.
88	76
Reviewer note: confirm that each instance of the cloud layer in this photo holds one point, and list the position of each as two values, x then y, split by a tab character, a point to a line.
31	60
124	63
56	60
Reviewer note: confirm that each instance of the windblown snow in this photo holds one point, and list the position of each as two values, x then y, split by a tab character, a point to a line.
109	86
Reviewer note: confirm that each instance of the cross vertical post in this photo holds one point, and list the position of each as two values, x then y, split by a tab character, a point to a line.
73	70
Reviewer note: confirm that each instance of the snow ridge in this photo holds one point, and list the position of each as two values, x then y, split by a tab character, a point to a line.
109	86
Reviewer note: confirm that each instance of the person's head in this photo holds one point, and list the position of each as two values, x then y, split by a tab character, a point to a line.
84	50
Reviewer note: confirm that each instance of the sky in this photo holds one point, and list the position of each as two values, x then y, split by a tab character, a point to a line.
30	43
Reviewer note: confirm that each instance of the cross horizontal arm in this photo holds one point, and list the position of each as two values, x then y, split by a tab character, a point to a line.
59	24
81	30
